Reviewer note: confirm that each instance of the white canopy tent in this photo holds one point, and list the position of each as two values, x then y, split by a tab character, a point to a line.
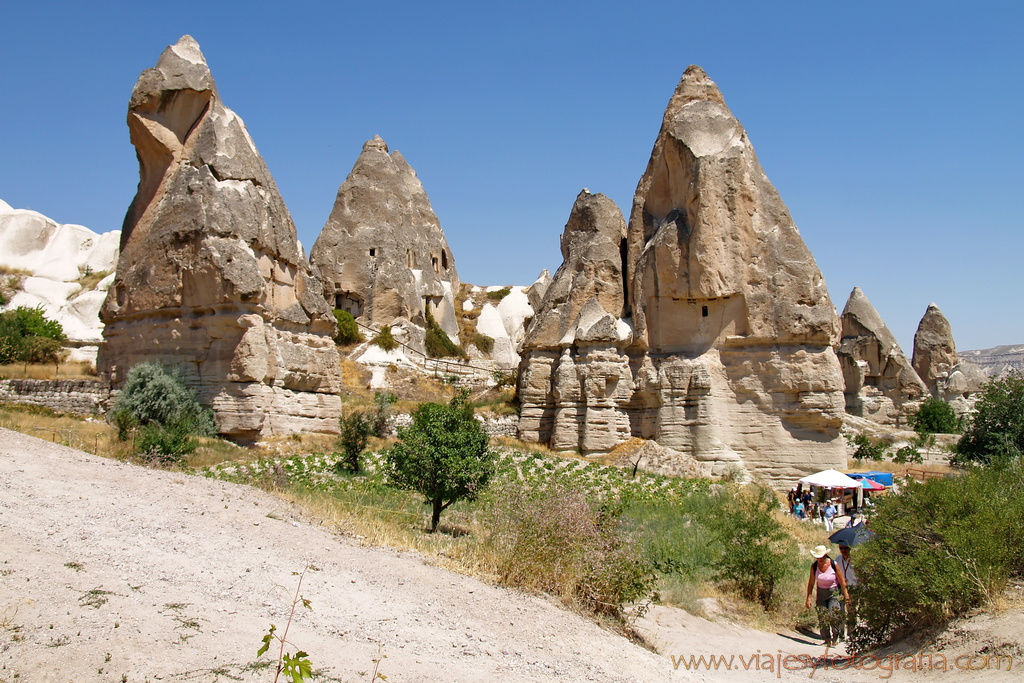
834	479
831	479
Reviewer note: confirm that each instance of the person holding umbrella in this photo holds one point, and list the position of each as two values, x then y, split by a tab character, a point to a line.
828	577
846	565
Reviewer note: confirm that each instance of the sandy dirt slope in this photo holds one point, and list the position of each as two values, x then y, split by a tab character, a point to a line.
112	572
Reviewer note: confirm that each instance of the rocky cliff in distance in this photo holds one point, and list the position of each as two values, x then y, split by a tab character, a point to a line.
881	384
722	347
382	253
998	360
211	280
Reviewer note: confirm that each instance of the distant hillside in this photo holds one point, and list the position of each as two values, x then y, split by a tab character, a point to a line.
998	360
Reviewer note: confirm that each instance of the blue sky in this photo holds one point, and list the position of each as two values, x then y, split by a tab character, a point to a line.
891	129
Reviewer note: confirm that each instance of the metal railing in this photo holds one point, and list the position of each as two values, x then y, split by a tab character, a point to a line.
438	365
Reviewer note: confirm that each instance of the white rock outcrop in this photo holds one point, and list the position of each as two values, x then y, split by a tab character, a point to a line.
56	257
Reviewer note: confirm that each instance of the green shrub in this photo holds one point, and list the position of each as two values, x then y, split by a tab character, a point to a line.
866	450
442	455
941	548
385	339
439	344
757	553
499	294
996	430
734	539
935	416
165	414
27	335
348	330
383	400
484	343
505	378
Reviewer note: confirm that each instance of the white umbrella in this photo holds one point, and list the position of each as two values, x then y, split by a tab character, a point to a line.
831	479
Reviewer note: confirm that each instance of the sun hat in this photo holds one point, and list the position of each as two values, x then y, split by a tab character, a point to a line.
820	552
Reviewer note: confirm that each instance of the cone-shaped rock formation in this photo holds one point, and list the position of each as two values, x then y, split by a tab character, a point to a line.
211	280
934	348
936	361
879	379
708	328
382	253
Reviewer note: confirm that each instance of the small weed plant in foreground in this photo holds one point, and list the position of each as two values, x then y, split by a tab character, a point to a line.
295	666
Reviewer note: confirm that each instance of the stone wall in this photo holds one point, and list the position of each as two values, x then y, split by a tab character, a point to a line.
81	396
493	426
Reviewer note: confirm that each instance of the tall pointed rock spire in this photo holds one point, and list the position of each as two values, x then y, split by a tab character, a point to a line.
723	347
382	253
211	280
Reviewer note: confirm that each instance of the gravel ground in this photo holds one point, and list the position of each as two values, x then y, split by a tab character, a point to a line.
113	572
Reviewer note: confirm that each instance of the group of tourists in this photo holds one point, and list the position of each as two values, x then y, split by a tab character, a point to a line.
803	506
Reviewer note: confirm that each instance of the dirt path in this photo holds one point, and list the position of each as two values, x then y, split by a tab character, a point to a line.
112	572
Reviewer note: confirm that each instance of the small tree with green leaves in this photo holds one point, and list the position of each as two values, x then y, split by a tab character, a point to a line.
383	400
757	553
442	455
935	416
355	434
996	430
868	450
28	336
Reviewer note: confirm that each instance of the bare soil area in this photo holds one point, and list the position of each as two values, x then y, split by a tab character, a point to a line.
113	572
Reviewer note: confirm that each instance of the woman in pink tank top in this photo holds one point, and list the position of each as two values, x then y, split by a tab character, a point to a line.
828	578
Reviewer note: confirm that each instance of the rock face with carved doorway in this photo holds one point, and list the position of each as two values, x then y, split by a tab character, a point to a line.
708	328
382	253
211	280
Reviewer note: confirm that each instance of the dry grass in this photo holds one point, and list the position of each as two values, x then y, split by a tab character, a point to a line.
75	370
92	435
90	280
11	280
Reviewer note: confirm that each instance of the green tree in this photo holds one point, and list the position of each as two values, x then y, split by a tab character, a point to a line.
348	329
355	434
164	412
22	335
935	416
866	450
996	430
383	400
442	455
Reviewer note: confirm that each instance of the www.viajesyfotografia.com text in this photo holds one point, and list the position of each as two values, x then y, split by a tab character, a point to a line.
884	665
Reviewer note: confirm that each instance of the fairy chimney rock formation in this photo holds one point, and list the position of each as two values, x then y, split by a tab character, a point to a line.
706	326
946	375
880	380
210	279
382	254
934	348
